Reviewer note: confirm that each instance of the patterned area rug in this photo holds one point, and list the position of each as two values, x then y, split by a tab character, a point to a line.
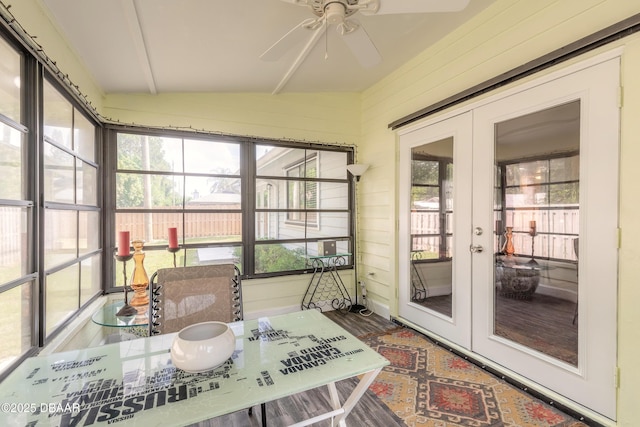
426	385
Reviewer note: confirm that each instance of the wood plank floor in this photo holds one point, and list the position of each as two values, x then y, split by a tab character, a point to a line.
368	412
543	323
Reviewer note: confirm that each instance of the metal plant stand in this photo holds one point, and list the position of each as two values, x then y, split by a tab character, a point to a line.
418	290
326	289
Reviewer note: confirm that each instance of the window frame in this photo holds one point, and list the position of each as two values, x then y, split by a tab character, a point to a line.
302	211
26	128
250	208
443	211
33	74
503	211
75	206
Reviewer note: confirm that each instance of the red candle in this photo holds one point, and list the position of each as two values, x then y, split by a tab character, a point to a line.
173	237
124	243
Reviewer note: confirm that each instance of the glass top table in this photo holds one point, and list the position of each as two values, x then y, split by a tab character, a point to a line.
135	383
106	316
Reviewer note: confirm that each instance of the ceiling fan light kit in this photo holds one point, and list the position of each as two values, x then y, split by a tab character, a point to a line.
338	13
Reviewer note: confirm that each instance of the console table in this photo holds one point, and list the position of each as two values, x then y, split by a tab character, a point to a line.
326	289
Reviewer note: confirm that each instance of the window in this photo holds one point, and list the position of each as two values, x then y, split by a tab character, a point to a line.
302	195
53	245
262	207
432	181
187	183
17	275
308	195
543	193
72	247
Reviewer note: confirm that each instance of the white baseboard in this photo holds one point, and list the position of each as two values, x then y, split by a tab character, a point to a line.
379	309
559	293
249	315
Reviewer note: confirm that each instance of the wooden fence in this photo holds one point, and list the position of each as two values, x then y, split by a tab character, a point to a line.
151	227
556	231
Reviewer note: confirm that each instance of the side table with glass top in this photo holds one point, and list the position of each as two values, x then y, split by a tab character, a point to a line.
126	327
326	289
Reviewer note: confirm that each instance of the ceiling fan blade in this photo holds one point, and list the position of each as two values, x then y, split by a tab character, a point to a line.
288	41
388	7
362	47
319	31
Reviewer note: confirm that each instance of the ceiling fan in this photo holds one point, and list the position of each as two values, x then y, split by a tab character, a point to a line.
340	13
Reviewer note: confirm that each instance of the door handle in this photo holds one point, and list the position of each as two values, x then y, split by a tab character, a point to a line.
476	248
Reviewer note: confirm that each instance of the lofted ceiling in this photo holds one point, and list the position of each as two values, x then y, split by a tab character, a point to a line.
163	46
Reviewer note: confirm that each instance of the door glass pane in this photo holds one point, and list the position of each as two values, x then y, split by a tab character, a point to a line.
537	216
431	225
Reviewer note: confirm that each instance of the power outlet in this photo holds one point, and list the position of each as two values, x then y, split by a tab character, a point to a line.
363	290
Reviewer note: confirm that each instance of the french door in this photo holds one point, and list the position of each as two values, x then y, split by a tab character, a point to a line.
436	273
508	232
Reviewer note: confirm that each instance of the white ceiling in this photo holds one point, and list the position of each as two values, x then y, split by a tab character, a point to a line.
161	46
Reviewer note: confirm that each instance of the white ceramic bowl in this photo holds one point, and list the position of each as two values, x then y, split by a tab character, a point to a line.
202	346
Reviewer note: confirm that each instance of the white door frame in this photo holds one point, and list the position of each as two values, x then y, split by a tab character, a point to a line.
592	382
596	226
456	328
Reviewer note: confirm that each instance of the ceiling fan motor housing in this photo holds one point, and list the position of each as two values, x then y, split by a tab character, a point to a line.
335	12
334	9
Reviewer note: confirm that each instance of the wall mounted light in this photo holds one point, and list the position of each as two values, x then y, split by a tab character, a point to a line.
357	170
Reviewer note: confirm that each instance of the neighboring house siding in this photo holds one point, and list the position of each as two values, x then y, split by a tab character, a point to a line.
329	196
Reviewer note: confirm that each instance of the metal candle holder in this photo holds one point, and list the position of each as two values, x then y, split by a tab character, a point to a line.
174	251
127	309
533	232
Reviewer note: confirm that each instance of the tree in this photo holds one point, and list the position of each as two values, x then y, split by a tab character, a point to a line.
224	185
130	187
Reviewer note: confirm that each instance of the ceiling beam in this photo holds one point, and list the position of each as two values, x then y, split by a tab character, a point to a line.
133	23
